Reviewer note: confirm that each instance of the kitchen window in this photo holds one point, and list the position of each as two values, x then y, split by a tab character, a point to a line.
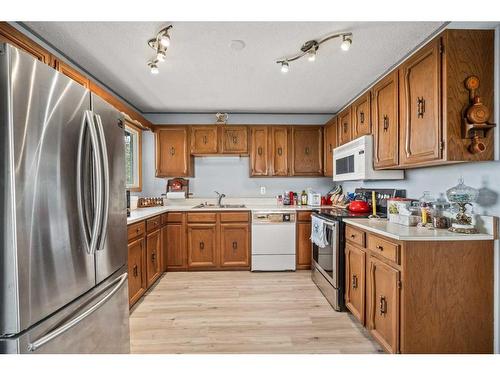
133	158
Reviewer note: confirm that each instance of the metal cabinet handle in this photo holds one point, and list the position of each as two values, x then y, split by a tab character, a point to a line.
362	117
280	151
420	107
235	139
383	305
235	245
354	282
259	150
353	236
137	230
330	148
378	247
134	271
153	257
306	151
202	245
73	322
172	150
386	123
205	140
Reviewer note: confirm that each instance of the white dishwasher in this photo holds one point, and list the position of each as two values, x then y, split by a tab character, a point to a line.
273	241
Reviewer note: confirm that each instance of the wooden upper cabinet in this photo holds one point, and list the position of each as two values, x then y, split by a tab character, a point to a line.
386	121
307	151
72	73
420	106
172	152
234	140
204	140
279	151
361	113
344	126
355	259
9	34
234	245
259	151
383	299
330	136
202	246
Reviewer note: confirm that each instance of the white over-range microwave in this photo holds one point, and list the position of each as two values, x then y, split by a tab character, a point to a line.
354	161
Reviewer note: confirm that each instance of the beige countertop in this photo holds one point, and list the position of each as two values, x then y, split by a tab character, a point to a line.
403	233
140	214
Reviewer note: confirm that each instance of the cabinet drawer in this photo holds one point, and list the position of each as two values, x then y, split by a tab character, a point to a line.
153	223
136	230
383	247
228	217
174	217
303	215
355	236
202	217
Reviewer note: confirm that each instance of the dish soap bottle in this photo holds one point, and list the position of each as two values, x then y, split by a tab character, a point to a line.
303	198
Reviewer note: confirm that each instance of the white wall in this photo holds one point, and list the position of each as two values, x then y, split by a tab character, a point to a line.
226	174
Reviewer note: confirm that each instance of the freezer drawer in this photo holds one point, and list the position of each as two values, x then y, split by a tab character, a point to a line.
85	326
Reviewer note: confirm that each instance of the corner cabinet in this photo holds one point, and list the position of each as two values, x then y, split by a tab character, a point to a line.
385	111
307	151
172	152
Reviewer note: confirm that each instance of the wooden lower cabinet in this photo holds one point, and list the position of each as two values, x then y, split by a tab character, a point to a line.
355	260
234	245
136	277
202	246
421	297
303	242
383	301
153	257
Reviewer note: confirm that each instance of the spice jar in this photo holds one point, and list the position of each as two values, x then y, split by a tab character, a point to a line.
438	212
425	202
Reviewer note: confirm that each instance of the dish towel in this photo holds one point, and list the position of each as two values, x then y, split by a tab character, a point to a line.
318	232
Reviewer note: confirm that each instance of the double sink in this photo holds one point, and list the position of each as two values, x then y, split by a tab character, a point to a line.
213	205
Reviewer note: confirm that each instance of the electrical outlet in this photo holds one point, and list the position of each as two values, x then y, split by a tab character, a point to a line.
262	190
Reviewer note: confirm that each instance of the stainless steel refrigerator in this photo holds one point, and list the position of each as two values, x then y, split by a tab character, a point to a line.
63	279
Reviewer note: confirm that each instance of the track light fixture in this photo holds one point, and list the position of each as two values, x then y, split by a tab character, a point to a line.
160	44
311	47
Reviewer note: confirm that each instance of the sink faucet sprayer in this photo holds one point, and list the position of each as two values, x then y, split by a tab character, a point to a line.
219	198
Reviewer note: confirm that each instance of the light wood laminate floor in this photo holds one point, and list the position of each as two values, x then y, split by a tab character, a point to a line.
242	312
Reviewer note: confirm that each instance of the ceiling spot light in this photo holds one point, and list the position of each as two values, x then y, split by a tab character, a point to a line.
311	47
346	43
153	67
285	67
159	44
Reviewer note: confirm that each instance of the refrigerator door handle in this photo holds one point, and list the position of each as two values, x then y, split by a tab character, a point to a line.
105	174
91	238
51	335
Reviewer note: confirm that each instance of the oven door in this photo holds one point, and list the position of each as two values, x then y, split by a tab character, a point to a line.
327	259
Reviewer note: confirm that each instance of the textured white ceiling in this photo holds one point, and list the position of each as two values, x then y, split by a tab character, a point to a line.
203	74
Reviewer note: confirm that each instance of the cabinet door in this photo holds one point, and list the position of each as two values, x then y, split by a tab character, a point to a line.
355	281
259	151
361	112
307	151
234	245
386	122
75	75
136	274
420	99
9	34
204	140
172	152
234	139
304	246
153	257
344	127
330	134
202	246
383	301
279	150
174	246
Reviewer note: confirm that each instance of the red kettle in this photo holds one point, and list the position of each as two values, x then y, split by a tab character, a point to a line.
359	206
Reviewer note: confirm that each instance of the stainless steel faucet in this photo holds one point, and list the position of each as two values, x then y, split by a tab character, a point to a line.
219	198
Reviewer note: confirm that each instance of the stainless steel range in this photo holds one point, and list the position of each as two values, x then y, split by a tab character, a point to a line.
328	260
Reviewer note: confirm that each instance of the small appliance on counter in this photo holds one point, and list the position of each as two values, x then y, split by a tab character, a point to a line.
328	263
313	199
